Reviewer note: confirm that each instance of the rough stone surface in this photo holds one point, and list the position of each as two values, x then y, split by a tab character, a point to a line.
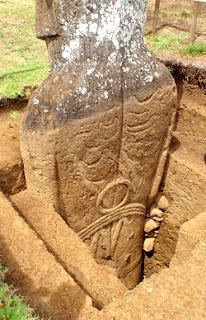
97	281
192	233
96	135
151	225
162	203
149	244
36	272
156	213
176	293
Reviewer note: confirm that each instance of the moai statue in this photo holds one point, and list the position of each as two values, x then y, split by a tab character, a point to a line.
96	134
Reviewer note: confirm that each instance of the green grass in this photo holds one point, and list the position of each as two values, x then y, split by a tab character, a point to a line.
195	49
11	306
150	8
185	13
14	308
24	61
167	42
14	114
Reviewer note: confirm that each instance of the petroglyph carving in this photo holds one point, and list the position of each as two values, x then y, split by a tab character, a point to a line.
96	134
103	195
129	210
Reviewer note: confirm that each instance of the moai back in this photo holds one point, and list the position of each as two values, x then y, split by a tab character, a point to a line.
95	138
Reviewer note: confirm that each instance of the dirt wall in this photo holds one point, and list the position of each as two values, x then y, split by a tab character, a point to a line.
184	181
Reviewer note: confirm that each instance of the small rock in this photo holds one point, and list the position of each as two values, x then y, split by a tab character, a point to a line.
158	219
163	203
156	214
149	244
151	225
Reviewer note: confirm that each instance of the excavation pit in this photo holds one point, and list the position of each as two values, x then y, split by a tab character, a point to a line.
50	264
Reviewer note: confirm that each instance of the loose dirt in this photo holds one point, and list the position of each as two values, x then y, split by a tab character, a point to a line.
11	167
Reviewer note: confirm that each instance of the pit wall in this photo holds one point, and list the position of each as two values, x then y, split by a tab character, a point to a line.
174	293
177	292
184	181
11	165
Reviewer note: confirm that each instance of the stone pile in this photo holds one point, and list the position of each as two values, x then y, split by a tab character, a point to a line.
153	221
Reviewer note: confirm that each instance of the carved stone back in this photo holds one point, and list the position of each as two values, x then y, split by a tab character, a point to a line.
96	135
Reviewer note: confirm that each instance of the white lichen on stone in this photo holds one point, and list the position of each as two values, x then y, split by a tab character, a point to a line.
106	94
125	69
93	27
111	35
71	50
90	71
148	78
82	90
35	101
156	74
112	58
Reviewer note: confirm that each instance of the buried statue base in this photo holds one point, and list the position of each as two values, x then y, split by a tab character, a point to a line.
95	138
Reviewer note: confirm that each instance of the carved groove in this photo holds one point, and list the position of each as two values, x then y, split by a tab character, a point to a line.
128	210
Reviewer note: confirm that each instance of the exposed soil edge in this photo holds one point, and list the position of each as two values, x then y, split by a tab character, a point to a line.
19	101
186	72
15	103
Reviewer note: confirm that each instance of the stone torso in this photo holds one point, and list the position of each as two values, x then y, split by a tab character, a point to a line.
96	135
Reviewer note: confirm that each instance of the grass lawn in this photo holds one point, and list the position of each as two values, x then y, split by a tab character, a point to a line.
171	42
24	61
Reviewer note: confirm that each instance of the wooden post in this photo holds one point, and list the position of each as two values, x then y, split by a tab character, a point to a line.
194	22
157	6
